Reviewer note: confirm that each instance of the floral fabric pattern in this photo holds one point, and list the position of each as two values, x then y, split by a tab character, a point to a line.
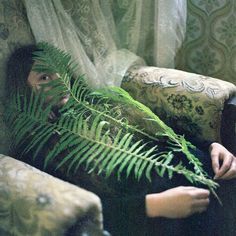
180	102
191	104
33	203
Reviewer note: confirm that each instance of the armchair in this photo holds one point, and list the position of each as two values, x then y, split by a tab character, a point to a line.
35	203
200	107
192	104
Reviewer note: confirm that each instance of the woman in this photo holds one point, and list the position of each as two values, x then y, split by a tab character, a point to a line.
160	208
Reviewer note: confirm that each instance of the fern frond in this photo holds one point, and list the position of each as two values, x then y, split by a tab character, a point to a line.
53	60
90	144
62	60
93	131
176	142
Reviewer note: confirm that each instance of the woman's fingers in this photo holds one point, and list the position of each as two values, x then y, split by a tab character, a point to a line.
201	209
227	169
201	205
215	162
226	165
201	193
231	173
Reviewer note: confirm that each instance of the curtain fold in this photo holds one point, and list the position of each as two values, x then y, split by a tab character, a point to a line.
107	37
170	27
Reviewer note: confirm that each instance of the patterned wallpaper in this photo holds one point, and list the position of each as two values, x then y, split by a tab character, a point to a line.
210	45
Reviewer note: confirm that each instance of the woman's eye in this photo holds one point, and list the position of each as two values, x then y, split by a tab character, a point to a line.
45	77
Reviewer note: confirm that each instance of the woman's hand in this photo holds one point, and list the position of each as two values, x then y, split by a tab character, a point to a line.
179	202
226	170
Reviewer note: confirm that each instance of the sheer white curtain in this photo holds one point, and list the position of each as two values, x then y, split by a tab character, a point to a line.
106	37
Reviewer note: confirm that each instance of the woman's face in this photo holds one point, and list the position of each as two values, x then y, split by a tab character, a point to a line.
35	80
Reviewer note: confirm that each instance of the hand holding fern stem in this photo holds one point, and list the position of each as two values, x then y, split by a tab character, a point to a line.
179	202
86	123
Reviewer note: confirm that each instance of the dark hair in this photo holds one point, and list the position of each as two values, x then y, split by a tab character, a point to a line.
18	68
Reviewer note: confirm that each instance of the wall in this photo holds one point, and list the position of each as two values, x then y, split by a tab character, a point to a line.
210	45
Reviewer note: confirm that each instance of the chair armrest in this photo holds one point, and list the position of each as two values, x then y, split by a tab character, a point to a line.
35	203
228	122
191	104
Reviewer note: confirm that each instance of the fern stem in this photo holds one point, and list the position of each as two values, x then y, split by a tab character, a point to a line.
102	114
63	67
171	135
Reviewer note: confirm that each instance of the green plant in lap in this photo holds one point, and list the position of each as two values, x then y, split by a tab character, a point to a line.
93	128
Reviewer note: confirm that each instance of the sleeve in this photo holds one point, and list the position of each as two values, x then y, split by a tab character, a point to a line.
130	216
205	146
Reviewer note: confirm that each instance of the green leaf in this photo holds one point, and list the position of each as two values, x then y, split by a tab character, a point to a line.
92	130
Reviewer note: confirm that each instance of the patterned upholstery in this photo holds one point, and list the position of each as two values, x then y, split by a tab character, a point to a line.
35	203
191	104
